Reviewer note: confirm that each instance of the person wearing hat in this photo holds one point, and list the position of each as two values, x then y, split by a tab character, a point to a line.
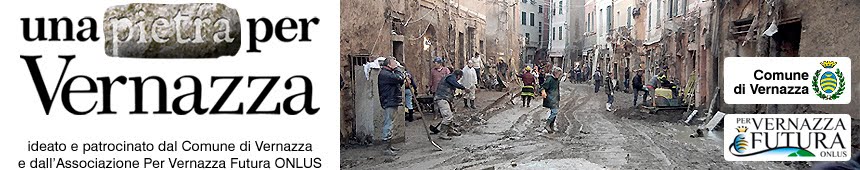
638	86
443	97
528	89
609	92
391	78
437	73
470	81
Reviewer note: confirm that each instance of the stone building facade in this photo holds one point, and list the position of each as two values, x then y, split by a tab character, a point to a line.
414	32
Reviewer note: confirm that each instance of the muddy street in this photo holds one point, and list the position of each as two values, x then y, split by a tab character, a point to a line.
503	135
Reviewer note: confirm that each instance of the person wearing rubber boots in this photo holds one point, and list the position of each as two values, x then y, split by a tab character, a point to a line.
550	88
410	94
470	81
443	97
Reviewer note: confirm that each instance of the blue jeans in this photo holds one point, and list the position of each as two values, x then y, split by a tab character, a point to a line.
387	123
552	114
609	98
636	95
408	99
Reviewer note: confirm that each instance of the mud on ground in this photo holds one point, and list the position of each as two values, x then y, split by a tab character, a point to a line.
503	135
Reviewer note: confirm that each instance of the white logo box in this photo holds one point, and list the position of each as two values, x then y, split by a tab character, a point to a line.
742	71
767	136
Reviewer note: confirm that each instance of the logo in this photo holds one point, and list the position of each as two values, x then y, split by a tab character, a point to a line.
787	137
832	84
787	80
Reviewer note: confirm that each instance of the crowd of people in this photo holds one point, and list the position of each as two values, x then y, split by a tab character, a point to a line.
537	81
444	83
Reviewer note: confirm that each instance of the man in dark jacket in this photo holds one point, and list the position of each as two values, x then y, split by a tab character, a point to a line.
390	80
443	97
638	86
626	80
550	86
610	93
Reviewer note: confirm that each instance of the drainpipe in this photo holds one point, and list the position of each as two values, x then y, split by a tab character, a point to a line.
715	44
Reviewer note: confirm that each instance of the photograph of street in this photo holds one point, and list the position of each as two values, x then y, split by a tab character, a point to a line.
571	84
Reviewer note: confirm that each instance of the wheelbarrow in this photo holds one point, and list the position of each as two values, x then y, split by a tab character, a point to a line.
426	104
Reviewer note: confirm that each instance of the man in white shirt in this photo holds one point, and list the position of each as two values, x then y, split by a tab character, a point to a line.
478	64
470	81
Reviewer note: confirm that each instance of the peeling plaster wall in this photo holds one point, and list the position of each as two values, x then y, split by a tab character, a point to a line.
828	29
366	31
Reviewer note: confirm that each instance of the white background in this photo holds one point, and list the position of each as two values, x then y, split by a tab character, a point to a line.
23	118
740	70
730	131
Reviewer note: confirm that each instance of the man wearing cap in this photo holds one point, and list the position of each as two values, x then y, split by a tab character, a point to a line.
470	81
443	97
390	80
437	73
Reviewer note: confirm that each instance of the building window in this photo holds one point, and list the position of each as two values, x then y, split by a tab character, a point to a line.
540	39
658	12
524	18
560	7
540	27
649	16
683	6
629	15
528	36
532	17
587	16
588	22
540	9
553	33
560	32
672	8
608	18
591	22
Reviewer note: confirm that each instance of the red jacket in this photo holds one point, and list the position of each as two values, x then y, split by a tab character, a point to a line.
528	79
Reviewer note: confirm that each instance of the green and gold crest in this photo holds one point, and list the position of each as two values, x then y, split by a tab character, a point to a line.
829	85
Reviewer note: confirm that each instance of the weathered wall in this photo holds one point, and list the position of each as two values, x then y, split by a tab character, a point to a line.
364	30
827	30
370	28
